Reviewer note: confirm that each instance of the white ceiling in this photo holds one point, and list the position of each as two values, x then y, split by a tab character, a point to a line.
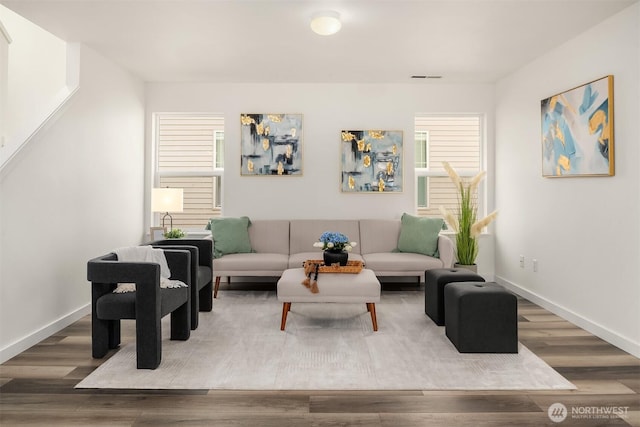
270	40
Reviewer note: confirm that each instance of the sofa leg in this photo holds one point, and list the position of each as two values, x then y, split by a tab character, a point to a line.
285	310
217	286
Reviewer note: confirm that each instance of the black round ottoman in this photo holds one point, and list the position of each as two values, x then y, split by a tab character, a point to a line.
434	282
481	317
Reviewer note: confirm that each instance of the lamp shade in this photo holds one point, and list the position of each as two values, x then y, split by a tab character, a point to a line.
166	199
326	22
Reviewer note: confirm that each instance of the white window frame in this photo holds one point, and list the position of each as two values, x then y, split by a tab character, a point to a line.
420	170
426	145
214	172
217	155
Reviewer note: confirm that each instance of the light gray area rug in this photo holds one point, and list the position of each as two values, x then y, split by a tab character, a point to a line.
240	346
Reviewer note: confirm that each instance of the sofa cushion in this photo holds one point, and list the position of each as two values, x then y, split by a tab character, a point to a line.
419	235
379	235
305	232
123	306
390	263
250	262
230	235
269	236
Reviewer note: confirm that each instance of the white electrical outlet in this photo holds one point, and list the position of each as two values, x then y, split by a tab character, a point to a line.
521	261
535	265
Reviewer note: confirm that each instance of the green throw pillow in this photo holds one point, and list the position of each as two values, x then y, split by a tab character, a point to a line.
230	236
419	235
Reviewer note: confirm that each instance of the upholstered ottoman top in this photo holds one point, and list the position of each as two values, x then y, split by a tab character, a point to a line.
477	290
363	287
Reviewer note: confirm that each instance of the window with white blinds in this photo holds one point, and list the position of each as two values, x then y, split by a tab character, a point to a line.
454	139
189	154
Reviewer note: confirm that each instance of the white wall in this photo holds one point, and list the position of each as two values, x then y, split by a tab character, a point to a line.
327	109
74	192
36	77
583	231
5	40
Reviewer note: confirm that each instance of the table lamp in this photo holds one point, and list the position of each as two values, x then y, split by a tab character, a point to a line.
167	200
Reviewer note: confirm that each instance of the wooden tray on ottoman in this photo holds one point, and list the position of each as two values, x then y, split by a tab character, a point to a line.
353	267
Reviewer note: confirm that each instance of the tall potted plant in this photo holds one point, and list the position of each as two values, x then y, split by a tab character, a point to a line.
465	223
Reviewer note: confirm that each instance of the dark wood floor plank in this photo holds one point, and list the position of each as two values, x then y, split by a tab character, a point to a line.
599	400
40	386
53	403
261	393
572	349
583	387
632	383
486	420
409	404
38	418
599	372
195	404
543	317
547	325
28	371
548	333
583	360
217	419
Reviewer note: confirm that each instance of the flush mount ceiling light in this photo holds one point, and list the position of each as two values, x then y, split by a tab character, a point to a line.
326	22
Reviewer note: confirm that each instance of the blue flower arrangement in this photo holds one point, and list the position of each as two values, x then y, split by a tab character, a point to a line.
330	240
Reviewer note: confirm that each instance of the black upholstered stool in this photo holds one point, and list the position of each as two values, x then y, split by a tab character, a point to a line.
434	281
481	317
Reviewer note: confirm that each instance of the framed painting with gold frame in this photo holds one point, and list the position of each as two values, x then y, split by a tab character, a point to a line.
577	131
371	161
271	144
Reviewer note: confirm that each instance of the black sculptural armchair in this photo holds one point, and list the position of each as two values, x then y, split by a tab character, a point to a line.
147	305
201	272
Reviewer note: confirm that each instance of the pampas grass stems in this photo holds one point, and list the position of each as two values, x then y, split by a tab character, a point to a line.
466	225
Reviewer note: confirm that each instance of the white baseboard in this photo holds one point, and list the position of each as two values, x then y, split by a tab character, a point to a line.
586	324
30	340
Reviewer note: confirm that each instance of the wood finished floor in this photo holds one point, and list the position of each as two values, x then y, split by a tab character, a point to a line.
36	388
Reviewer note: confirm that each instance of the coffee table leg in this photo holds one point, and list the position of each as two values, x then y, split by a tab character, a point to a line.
371	308
285	310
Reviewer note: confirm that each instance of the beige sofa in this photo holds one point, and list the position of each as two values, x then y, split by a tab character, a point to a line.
278	245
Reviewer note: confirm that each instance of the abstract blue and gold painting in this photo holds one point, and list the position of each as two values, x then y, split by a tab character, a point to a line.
271	144
577	131
371	161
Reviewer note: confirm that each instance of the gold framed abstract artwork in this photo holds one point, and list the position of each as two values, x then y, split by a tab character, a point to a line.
577	131
271	144
371	161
